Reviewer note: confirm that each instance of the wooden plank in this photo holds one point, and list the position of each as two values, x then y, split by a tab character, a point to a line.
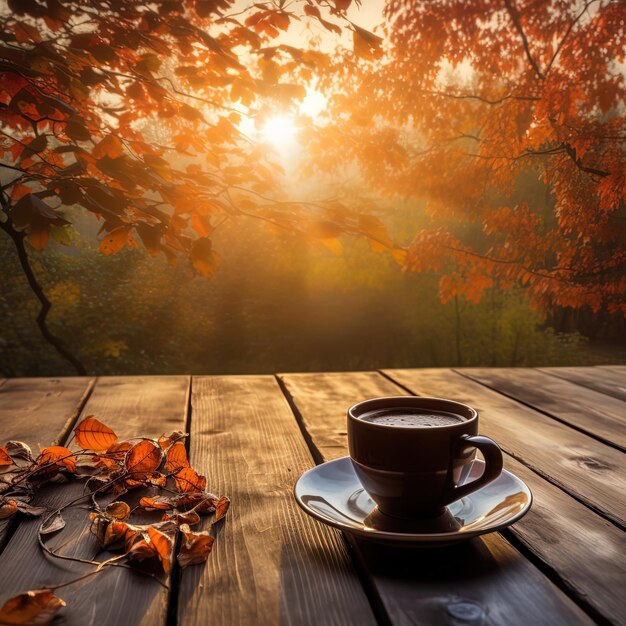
131	406
602	379
38	411
595	413
586	468
585	551
483	581
270	564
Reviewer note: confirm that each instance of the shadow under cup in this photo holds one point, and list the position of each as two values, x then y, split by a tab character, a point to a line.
414	472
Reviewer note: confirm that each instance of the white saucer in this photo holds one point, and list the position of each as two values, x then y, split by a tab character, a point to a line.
332	494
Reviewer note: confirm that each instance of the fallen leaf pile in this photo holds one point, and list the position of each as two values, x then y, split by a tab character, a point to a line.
158	471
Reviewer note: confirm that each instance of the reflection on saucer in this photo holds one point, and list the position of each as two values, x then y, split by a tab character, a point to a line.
332	493
445	523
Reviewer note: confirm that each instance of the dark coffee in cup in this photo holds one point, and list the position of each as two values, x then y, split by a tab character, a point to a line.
410	418
409	453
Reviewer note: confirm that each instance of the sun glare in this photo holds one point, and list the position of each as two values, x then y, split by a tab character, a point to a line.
280	131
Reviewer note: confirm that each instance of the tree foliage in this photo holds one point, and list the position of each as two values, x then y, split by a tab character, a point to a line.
82	82
466	98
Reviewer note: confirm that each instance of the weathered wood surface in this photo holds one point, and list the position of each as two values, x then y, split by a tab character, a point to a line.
38	411
584	467
594	413
484	581
608	380
131	406
270	564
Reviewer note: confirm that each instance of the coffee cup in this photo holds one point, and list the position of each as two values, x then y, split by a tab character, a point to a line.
410	452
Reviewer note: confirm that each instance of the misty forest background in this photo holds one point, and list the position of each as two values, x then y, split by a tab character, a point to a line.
278	303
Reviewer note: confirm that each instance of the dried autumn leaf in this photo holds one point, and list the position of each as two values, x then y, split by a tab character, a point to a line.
221	507
33	608
188	480
195	548
176	457
19	450
156	503
189	517
163	545
118	450
52	524
5	458
118	509
8	508
112	534
141	550
165	441
143	457
57	457
92	434
27	509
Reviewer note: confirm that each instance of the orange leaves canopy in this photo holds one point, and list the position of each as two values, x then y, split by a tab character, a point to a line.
505	123
192	70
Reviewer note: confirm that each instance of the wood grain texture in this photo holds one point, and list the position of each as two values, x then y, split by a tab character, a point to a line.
270	563
582	466
595	413
585	550
608	380
132	406
38	411
483	581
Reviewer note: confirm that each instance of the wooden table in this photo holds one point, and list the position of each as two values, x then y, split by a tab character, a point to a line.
563	431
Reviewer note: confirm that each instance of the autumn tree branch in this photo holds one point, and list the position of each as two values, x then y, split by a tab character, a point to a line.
512	11
17	237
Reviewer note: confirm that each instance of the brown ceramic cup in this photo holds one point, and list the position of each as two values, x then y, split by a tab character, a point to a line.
414	472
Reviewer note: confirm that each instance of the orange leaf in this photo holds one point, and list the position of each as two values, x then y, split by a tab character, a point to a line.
7	509
32	607
38	238
141	550
92	434
5	459
62	457
195	548
110	146
119	449
176	457
165	441
188	480
116	240
221	507
203	258
202	225
119	510
163	546
156	503
143	457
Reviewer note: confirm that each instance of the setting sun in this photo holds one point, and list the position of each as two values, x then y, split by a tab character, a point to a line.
280	131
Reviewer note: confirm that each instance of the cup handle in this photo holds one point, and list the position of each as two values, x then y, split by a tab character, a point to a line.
493	464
